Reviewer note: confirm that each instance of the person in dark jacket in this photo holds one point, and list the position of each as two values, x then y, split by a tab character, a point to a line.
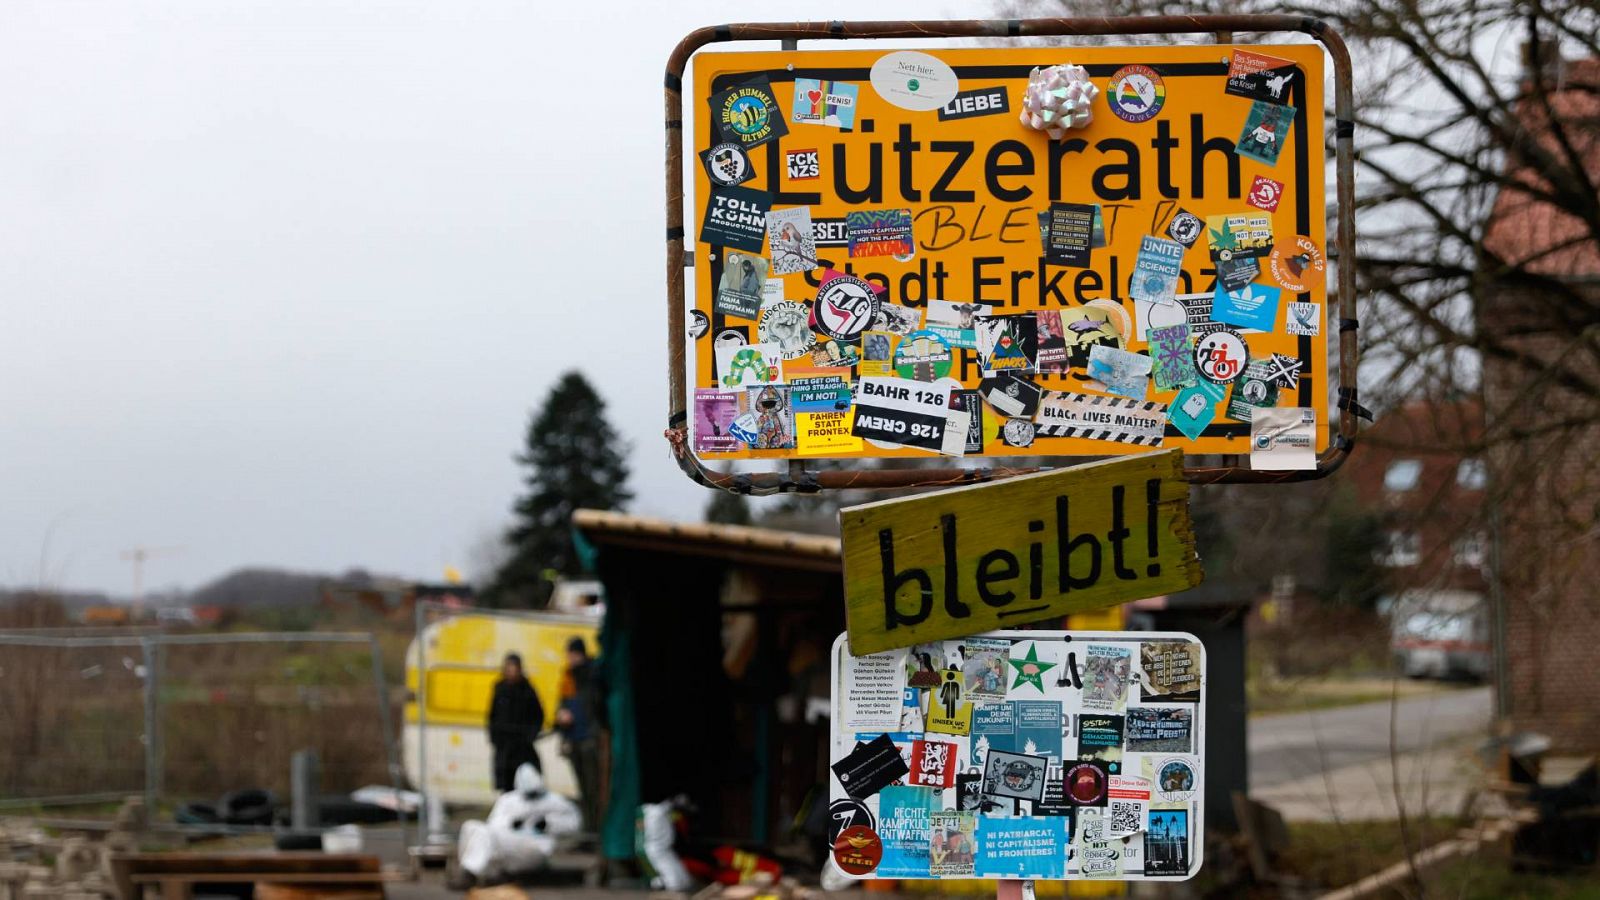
579	720
515	718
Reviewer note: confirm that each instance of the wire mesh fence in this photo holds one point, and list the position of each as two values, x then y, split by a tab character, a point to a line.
71	720
185	719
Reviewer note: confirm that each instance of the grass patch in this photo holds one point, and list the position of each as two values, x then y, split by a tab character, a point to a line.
1329	855
1487	875
1334	854
1267	697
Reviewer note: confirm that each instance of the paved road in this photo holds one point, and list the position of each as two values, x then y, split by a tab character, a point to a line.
1297	745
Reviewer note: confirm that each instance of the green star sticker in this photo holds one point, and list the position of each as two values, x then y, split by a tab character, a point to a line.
1030	668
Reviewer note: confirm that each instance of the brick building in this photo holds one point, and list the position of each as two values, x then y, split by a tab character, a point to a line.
1541	428
1419	472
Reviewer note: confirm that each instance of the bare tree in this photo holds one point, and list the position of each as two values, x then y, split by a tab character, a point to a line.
1478	269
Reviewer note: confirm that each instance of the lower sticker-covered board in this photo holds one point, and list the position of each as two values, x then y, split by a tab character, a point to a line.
1020	755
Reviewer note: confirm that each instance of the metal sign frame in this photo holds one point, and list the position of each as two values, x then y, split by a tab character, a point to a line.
798	477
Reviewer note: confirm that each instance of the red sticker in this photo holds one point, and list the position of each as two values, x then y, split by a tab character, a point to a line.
802	165
858	850
933	764
1265	193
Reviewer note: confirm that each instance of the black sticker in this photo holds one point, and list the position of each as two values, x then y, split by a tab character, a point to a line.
1238	271
736	217
748	115
969	401
1014	775
1265	78
1160	730
1054	802
845	308
1069	234
847	813
1012	396
1186	228
1100	739
980	102
699	324
1166	842
1086	782
969	792
830	232
870	768
727	165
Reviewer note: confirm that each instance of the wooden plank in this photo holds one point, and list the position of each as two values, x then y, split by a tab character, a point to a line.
979	558
292	862
270	877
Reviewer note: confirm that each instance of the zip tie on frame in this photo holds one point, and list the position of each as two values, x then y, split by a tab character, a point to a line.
722	33
742	484
1348	325
1340	442
674	83
1344	128
675	233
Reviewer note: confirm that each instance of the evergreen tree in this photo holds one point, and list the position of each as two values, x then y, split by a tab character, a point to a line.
575	461
728	508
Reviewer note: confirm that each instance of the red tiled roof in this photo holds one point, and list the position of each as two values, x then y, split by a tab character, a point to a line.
1526	231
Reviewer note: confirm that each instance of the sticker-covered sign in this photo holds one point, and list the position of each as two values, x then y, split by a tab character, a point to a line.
891	191
1092	774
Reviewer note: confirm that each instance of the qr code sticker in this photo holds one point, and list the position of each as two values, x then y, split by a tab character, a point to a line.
1124	817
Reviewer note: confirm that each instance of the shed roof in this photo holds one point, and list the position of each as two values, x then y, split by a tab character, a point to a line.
735	543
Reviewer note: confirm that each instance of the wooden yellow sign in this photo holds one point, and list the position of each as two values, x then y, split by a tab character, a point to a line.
841	224
977	558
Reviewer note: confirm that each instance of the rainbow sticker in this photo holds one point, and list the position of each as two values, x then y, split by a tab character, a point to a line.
1136	93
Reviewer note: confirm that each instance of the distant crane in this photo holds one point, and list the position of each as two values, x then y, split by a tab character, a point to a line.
137	556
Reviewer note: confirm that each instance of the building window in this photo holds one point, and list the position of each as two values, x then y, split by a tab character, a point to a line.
1401	548
1402	475
1471	550
1472	474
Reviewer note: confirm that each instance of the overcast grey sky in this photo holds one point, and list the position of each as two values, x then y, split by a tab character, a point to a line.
280	281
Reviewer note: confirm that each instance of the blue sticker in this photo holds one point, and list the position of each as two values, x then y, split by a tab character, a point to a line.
905	830
817	395
824	103
1039	728
1020	848
1252	306
994	727
743	428
1194	408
